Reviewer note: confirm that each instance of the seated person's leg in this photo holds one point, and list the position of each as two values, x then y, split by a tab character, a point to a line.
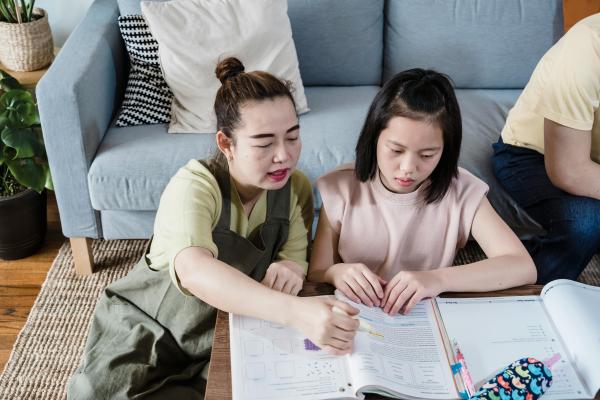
572	222
129	354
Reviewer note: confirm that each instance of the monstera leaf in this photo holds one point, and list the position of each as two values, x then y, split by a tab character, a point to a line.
18	109
22	152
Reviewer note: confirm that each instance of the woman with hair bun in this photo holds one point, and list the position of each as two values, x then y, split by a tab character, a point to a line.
231	233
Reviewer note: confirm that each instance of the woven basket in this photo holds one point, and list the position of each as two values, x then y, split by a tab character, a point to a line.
27	46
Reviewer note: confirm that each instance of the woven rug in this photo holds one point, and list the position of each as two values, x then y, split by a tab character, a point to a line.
48	349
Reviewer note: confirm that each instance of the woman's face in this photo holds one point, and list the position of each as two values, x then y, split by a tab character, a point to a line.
267	144
408	151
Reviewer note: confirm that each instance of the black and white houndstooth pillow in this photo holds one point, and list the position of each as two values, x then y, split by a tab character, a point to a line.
147	97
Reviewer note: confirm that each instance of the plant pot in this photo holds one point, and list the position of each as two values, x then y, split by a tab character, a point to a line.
27	46
22	224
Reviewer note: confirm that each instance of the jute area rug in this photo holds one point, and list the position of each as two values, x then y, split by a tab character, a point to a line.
48	349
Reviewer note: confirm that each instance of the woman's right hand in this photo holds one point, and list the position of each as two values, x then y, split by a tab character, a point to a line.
357	282
332	332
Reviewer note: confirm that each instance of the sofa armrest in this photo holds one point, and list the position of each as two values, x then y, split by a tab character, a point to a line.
77	98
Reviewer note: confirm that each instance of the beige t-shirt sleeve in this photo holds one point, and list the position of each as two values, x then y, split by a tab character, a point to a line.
571	89
187	214
301	217
470	191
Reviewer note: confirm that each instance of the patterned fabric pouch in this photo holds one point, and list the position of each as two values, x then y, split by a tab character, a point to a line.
524	379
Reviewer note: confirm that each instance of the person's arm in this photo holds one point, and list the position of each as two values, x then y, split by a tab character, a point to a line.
568	162
355	280
286	274
508	265
228	289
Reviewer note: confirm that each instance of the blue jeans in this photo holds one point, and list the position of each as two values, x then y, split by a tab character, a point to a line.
572	222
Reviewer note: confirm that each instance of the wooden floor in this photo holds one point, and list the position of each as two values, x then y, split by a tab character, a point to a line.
21	280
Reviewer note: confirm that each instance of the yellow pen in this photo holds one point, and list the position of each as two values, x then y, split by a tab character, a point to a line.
364	325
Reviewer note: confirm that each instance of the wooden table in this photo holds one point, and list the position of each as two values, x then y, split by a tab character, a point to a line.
219	374
30	78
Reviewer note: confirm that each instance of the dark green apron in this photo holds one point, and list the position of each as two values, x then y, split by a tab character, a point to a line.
150	341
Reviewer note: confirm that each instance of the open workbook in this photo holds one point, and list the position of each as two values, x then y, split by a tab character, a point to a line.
409	357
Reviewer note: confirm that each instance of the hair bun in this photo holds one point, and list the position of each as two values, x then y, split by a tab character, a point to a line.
229	68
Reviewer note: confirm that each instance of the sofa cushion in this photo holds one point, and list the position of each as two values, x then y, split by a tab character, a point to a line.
194	35
483	115
479	44
147	97
127	7
339	42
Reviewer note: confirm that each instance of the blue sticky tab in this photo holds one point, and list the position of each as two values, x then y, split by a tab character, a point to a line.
456	368
464	395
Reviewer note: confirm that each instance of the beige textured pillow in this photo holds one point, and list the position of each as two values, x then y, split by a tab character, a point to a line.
194	35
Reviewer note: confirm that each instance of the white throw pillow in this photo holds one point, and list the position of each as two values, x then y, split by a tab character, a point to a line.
194	35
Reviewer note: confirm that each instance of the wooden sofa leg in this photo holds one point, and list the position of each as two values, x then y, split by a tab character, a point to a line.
81	248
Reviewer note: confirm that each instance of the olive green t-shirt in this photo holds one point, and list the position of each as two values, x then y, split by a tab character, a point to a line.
190	207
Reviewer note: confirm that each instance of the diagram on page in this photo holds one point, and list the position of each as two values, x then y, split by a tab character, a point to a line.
277	364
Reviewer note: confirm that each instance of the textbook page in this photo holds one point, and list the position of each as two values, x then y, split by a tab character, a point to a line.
271	362
575	310
409	359
492	332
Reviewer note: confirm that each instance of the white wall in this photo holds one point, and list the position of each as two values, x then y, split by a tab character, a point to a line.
64	15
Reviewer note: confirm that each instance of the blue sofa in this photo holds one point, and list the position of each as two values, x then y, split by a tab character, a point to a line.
109	180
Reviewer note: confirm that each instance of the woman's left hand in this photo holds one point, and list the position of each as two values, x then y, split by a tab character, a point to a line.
407	288
284	276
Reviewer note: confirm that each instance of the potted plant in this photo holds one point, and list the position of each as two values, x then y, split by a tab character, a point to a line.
25	36
24	172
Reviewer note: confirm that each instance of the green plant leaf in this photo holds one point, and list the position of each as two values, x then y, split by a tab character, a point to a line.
3	120
7	82
49	182
29	173
30	8
19	108
11	12
24	12
24	140
4	12
8	153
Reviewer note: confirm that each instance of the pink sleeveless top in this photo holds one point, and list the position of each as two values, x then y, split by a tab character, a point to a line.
390	232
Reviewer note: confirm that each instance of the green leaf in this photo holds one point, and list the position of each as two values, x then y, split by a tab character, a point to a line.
49	182
24	12
8	153
4	12
19	108
11	12
30	9
3	119
7	82
28	172
24	140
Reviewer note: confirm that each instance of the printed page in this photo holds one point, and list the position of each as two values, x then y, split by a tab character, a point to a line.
575	310
273	362
493	332
408	359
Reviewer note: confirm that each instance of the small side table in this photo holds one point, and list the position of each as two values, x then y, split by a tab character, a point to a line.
31	78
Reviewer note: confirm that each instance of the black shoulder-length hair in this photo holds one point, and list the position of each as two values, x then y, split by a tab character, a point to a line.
417	94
